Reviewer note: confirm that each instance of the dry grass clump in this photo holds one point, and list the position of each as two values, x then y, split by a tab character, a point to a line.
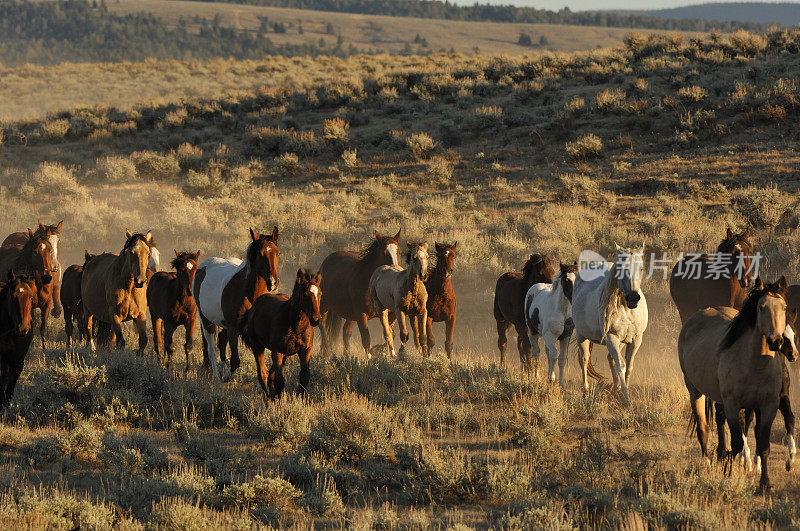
349	158
336	130
611	99
439	169
288	162
748	43
155	166
115	169
586	147
693	94
420	144
763	207
52	180
55	129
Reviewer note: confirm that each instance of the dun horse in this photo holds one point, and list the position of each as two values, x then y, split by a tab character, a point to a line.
113	289
509	305
402	292
715	280
345	282
611	310
17	300
548	313
71	300
51	233
34	258
441	300
285	325
224	288
169	298
732	358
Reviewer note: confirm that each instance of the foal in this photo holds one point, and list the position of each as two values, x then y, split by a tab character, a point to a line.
169	298
285	325
17	300
401	291
548	312
441	300
71	300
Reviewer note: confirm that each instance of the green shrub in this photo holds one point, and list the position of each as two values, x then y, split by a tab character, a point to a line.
132	454
748	43
439	169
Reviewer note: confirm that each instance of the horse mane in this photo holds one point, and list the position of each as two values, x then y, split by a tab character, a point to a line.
746	318
610	296
307	274
130	242
532	262
375	246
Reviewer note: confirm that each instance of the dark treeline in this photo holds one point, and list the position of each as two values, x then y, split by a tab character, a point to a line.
507	13
75	30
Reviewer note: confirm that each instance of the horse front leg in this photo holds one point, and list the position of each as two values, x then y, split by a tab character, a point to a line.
276	381
785	407
415	331
233	344
563	347
403	330
450	328
116	326
363	328
388	335
69	328
737	438
502	339
261	370
209	330
43	324
158	336
630	355
347	333
187	345
305	371
90	331
764	418
615	355
524	347
169	331
584	345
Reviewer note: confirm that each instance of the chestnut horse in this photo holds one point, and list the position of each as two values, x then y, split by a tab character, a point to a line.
692	284
113	289
441	300
225	288
17	300
51	233
285	325
169	297
71	300
509	304
34	258
345	280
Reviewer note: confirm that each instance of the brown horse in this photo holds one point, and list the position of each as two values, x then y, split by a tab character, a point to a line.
509	304
34	258
345	280
692	284
71	300
169	297
225	288
441	300
51	233
113	289
17	300
285	325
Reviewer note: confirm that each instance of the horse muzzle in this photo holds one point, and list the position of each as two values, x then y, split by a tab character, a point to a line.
272	284
632	301
138	283
315	320
47	279
775	344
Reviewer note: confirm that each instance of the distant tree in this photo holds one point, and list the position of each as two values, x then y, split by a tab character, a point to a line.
299	30
543	41
525	40
329	29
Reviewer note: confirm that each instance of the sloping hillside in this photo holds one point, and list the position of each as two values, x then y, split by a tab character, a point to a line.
785	13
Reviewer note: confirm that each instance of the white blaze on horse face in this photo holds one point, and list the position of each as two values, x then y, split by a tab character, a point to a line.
423	260
54	245
314	291
189	266
394	253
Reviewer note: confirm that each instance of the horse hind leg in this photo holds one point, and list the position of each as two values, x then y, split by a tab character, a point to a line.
698	402
347	333
233	344
524	348
222	342
209	330
502	339
69	328
785	407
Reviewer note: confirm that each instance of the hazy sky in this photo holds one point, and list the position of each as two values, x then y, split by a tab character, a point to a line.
582	5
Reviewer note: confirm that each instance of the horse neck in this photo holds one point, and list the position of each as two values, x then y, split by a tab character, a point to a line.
438	278
610	287
123	274
255	284
292	309
411	279
562	302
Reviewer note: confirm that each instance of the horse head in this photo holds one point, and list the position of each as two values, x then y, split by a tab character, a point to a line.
51	233
154	263
789	348
22	297
417	259
629	265
771	308
307	288
185	265
446	258
40	256
136	254
262	257
538	269
385	248
566	276
740	247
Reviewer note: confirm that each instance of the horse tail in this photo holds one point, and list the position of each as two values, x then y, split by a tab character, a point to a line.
242	327
105	334
594	373
710	417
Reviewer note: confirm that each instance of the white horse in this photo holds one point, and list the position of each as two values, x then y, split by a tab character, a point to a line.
608	307
548	313
401	291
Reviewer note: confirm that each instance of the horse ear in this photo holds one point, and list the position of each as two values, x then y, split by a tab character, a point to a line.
728	234
782	283
746	233
275	233
149	236
58	227
455	245
197	255
318	277
86	255
759	284
253	234
376	235
30	233
176	252
397	236
128	234
617	247
300	274
40	225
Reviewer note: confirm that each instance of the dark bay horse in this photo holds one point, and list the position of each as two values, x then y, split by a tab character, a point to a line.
345	281
51	232
509	304
169	297
71	300
225	288
441	300
691	284
17	300
113	289
34	258
285	325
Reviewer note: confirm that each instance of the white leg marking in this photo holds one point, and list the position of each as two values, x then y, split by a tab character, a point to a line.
211	342
792	452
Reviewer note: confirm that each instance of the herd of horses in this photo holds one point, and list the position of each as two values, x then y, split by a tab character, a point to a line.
736	330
